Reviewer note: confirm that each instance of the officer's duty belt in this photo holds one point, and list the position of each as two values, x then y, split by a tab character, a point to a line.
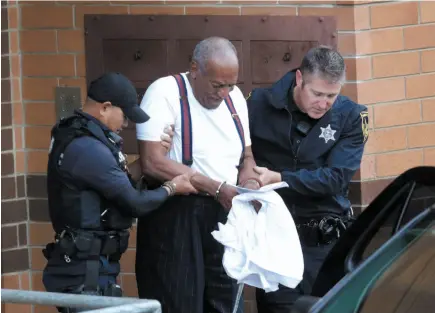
79	243
316	232
89	246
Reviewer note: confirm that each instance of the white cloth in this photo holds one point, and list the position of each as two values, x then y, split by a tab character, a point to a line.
216	146
261	250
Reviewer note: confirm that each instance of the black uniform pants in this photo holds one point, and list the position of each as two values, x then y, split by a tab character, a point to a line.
179	263
282	300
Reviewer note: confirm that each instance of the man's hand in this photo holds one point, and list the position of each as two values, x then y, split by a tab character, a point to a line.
226	195
254	185
267	176
183	185
166	137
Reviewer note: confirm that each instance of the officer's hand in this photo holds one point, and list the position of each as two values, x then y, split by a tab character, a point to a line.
183	185
166	137
267	176
226	195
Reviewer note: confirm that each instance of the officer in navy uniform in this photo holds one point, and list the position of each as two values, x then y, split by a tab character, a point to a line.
306	134
92	197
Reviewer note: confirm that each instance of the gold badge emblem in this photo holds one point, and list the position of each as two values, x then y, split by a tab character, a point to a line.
249	96
365	125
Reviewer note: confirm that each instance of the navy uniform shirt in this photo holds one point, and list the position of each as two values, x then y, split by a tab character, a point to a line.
317	158
89	164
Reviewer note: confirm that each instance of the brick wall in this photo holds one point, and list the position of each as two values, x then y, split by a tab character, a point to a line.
389	50
15	258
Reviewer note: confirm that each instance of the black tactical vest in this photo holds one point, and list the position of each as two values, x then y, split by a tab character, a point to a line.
74	206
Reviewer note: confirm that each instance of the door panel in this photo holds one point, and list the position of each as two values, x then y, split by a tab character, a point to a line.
145	47
139	60
273	59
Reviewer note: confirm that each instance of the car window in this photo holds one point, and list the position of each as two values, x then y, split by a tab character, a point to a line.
402	270
422	197
408	283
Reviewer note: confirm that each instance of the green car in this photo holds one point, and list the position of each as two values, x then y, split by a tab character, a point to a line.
385	262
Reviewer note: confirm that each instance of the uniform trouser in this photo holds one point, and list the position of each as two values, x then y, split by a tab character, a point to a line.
68	277
179	263
281	301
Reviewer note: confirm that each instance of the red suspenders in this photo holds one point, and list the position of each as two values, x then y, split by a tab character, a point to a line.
186	121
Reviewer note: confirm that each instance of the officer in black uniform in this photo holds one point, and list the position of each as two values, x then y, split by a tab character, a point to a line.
306	134
92	197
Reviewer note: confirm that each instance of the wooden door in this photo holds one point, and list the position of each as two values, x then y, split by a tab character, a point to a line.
145	47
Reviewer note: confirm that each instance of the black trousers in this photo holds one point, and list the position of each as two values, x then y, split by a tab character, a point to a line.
281	301
179	263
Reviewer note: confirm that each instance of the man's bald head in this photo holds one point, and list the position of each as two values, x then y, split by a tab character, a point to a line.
217	50
214	71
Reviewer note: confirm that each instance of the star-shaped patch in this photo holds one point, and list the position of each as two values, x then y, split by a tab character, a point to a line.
327	133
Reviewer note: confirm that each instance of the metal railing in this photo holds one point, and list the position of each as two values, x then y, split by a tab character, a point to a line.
96	304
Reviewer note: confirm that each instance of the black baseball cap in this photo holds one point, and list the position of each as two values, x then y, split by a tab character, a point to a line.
119	91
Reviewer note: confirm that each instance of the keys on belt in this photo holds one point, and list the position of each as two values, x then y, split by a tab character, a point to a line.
321	232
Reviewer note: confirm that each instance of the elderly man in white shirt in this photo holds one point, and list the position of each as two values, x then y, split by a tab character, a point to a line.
178	262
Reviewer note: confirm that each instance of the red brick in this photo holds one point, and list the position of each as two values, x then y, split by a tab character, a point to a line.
37	162
15	66
81	65
379	41
381	90
48	65
40	113
428	60
14	46
420	86
394	14
417	37
38	260
157	10
129	285
421	135
348	18
252	10
128	261
358	68
12	17
38	88
38	137
384	140
198	2
347	44
399	113
395	64
18	113
212	10
395	163
429	156
15	308
46	16
368	167
11	281
37	284
71	41
40	234
38	40
427	11
44	309
428	110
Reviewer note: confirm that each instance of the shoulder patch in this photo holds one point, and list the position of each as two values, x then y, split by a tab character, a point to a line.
365	125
